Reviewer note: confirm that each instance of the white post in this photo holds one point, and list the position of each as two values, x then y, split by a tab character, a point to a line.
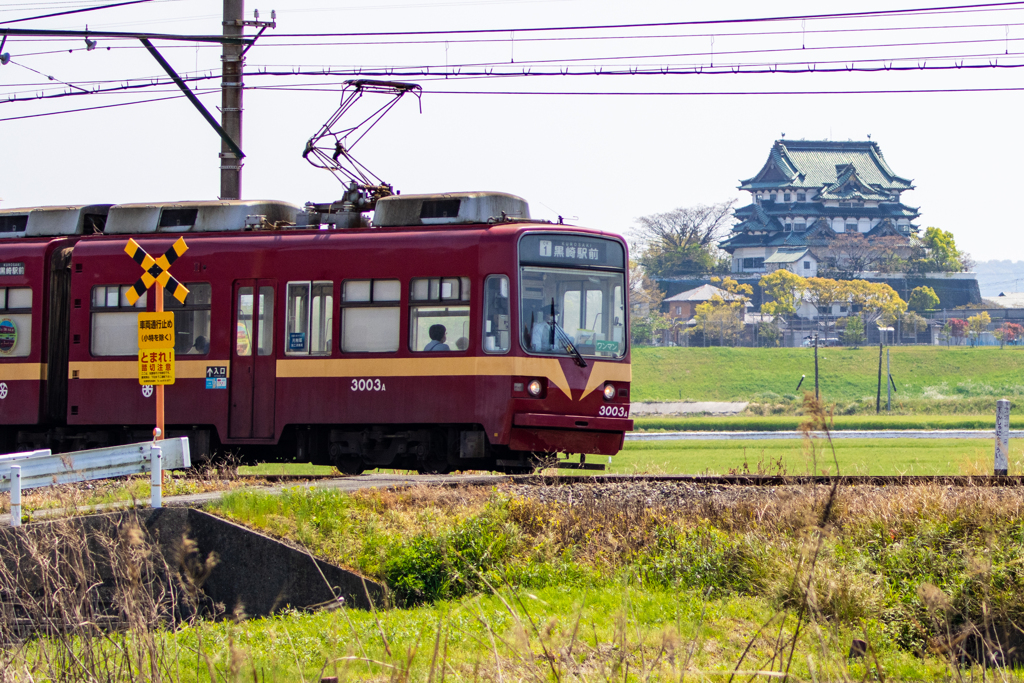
15	495
156	468
1002	437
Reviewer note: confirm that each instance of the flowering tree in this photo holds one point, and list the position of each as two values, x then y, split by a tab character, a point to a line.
1008	333
955	329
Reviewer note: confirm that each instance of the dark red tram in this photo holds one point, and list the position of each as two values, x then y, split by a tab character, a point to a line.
455	333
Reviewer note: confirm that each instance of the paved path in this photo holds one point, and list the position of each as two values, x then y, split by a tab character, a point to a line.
686	408
838	434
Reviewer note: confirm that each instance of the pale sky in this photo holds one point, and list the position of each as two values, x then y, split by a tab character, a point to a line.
601	160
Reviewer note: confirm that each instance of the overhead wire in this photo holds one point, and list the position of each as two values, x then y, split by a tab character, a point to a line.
103	106
1001	6
693	93
523	68
74	11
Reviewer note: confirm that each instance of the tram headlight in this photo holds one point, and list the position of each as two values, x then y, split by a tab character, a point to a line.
609	391
534	388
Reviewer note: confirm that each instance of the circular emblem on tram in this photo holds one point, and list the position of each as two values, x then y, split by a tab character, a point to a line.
3	390
8	336
147	390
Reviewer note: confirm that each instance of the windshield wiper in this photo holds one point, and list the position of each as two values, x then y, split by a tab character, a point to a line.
570	347
564	338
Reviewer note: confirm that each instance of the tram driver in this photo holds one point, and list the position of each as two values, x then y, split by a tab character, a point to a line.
438	336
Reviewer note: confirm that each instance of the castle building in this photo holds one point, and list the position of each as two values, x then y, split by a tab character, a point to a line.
807	193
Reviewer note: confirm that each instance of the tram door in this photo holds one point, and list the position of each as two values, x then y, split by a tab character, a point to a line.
253	365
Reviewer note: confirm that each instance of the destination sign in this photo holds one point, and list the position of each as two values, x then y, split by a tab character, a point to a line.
571	250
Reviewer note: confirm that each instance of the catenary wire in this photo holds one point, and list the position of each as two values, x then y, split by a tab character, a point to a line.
1002	6
74	11
103	106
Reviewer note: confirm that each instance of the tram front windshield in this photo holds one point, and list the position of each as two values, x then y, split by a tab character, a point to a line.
572	292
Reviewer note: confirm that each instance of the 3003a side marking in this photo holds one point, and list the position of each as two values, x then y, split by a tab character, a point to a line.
367	385
613	411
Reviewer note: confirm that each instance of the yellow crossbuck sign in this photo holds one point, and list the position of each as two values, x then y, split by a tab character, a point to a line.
156	270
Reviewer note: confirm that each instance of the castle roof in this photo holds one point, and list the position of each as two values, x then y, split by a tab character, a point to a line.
765	211
827	164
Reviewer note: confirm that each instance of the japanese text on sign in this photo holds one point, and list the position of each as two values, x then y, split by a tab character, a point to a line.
12	268
156	366
156	330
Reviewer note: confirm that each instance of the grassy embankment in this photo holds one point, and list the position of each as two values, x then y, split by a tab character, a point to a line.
936	380
586	586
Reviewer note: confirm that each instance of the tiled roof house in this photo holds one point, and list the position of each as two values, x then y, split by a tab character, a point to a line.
810	190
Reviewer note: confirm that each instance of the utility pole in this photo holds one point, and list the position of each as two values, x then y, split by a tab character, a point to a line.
878	396
231	99
816	397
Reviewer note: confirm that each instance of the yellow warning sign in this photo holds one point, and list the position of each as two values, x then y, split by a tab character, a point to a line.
156	330
156	366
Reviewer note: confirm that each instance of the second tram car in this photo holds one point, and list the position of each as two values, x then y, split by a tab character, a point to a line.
455	333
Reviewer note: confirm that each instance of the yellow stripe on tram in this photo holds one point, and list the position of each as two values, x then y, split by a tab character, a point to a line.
300	368
11	372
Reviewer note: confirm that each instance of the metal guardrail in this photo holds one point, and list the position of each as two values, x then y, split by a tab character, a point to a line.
34	469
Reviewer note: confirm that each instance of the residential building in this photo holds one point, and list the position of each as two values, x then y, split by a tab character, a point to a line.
682	307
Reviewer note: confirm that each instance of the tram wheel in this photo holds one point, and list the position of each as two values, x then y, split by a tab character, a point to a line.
350	465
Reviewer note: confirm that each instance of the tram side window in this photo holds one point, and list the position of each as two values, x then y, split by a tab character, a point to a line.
370	315
310	318
15	322
191	319
439	314
496	314
114	321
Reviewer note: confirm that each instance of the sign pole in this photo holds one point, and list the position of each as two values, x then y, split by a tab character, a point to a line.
156	334
158	433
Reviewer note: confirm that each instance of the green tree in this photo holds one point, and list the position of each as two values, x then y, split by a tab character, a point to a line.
853	332
768	334
643	329
910	323
976	325
923	299
937	252
645	316
683	241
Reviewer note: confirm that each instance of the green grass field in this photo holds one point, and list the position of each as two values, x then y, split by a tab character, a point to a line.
777	456
856	457
781	423
744	374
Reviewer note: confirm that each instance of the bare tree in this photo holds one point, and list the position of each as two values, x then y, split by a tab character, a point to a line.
850	253
684	240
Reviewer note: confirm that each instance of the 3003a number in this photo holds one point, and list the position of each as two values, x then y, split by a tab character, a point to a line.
614	411
367	385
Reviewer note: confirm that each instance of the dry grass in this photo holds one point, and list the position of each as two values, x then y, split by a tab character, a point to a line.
83	497
89	603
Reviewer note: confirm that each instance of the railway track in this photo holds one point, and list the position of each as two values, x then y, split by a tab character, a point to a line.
598	479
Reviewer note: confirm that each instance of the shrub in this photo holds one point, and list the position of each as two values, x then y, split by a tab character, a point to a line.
449	565
700	558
